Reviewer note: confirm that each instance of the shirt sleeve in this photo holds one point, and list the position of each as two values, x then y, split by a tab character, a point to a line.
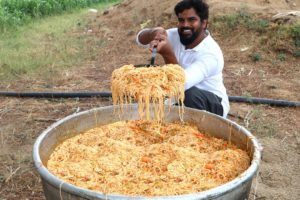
137	39
204	67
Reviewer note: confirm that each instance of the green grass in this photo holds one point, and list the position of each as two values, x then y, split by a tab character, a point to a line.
46	44
273	33
241	19
261	125
295	31
14	13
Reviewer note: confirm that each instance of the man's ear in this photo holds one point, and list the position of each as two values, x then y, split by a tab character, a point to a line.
204	24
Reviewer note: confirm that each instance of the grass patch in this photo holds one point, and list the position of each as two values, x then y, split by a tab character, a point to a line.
263	128
14	13
260	124
255	57
281	38
240	19
295	31
47	44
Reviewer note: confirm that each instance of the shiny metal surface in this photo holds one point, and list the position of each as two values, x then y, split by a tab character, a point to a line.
54	188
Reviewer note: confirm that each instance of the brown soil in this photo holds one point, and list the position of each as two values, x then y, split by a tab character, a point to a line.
277	128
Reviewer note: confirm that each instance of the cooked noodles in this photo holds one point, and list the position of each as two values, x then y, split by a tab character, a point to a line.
147	158
146	86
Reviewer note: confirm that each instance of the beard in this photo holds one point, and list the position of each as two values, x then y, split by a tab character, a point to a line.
186	40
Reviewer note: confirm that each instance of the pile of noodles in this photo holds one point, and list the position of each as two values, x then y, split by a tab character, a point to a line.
147	158
148	86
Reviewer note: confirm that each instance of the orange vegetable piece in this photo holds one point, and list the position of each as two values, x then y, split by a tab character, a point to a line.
209	166
145	159
199	135
136	80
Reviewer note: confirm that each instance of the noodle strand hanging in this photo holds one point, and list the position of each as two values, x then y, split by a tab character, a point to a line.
148	85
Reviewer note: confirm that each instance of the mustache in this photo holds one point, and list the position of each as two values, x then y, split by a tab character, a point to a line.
186	28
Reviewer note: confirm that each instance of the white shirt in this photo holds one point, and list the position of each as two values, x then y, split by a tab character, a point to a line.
203	65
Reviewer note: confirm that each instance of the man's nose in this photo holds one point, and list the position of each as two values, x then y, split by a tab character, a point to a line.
185	23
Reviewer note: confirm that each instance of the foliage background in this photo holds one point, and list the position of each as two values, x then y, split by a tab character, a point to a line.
14	13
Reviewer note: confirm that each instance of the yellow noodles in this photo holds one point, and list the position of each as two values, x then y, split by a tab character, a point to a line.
130	158
148	85
147	157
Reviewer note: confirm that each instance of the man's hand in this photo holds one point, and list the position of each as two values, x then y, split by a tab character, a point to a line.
160	41
157	37
147	35
163	45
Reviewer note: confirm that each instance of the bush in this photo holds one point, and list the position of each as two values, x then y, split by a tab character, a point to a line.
18	12
256	57
295	31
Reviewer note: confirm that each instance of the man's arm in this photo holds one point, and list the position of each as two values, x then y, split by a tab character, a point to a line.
147	35
157	37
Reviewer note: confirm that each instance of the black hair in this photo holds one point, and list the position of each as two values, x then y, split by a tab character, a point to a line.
200	7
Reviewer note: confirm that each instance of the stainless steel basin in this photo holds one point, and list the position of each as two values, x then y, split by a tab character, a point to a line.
54	188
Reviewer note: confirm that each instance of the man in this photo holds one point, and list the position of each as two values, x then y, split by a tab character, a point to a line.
191	46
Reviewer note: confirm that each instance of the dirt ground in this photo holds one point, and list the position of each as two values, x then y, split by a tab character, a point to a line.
277	128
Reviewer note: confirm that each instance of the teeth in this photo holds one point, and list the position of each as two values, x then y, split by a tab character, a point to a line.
186	31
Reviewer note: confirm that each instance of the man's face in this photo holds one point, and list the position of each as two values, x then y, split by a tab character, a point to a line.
190	27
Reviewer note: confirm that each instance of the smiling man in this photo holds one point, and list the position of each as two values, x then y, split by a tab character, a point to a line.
191	46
